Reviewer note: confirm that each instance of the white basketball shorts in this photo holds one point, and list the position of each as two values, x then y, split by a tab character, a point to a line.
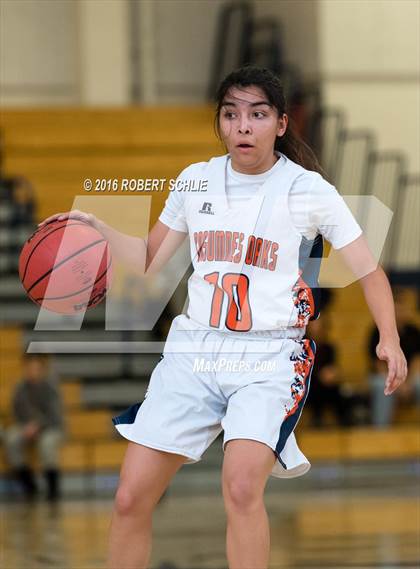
251	385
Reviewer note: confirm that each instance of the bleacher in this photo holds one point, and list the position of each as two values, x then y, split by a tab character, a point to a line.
56	150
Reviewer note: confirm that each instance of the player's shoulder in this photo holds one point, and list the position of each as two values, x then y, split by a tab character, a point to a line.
303	173
198	169
309	180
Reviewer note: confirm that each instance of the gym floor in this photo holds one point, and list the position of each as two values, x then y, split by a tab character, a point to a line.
330	525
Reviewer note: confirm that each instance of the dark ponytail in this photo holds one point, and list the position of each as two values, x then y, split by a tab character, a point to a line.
290	144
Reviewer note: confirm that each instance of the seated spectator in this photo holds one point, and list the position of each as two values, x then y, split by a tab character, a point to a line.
383	406
38	415
326	391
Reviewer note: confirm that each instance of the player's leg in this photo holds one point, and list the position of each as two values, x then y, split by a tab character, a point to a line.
246	467
145	474
262	412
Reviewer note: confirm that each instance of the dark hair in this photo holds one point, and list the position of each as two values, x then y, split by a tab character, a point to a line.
42	358
290	144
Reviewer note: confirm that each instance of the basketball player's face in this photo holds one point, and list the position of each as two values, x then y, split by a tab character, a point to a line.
249	126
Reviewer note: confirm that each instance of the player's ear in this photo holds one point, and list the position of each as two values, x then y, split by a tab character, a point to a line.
282	124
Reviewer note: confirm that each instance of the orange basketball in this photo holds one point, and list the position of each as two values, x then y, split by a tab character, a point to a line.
65	266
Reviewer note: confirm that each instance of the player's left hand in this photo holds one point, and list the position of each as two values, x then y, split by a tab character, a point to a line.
391	352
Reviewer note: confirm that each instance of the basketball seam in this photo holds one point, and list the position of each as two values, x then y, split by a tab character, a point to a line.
41	240
74	293
62	263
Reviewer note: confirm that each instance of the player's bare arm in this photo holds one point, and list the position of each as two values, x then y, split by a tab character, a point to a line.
378	295
142	256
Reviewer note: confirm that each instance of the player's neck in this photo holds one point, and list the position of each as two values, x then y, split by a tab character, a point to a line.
254	169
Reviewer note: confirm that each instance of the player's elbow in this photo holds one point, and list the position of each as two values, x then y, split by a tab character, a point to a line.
359	258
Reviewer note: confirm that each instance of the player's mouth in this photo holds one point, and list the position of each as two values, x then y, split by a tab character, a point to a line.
244	146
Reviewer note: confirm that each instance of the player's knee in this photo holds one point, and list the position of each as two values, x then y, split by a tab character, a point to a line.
241	494
130	503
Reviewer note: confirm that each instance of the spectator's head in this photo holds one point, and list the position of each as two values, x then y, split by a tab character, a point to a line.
35	367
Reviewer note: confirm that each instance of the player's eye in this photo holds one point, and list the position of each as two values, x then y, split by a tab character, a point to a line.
259	114
229	114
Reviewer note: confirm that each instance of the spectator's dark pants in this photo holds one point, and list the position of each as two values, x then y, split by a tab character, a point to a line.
48	442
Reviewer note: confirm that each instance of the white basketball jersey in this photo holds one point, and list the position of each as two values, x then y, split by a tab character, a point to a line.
250	263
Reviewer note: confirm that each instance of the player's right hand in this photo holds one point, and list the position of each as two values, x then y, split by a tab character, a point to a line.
88	218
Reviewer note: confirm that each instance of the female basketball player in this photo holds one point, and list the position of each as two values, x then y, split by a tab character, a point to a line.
255	238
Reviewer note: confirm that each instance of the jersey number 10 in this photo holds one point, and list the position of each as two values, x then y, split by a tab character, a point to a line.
236	286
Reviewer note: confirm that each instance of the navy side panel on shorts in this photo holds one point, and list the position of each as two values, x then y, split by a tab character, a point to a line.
304	364
307	292
128	416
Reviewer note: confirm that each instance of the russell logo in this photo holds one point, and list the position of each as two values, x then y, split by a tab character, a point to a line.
206	209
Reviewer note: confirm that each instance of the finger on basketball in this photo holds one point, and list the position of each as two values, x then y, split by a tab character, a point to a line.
79	215
76	214
51	218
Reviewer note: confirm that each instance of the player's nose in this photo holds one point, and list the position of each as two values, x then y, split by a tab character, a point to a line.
244	126
244	130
